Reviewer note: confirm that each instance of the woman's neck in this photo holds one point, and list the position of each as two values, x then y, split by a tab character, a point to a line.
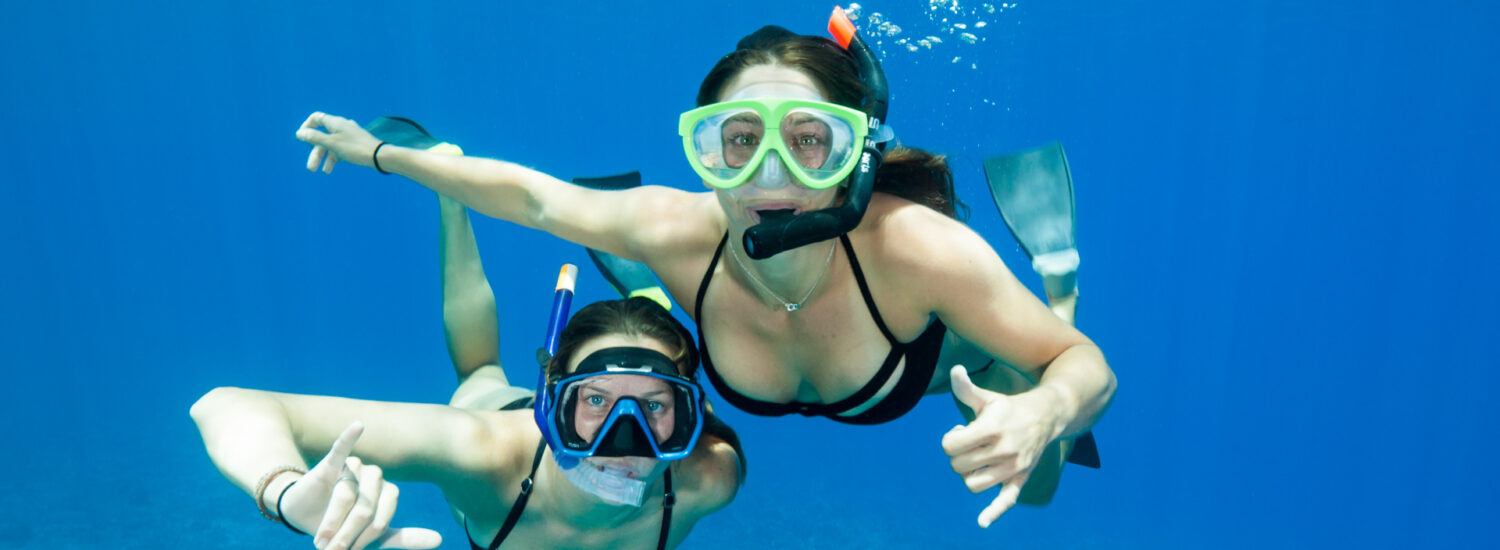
790	278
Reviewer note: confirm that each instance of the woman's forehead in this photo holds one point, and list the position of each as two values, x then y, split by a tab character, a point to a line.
626	382
771	81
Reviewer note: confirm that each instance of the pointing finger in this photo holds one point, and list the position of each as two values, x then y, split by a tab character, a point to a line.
329	468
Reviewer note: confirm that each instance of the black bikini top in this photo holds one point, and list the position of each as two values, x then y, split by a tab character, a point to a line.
921	361
669	499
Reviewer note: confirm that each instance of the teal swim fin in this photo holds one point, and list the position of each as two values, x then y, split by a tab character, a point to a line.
402	131
630	278
1034	192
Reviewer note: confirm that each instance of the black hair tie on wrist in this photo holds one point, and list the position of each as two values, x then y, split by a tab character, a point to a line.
280	516
376	157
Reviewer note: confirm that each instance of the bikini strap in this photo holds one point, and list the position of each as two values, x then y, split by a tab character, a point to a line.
864	290
708	275
520	505
668	500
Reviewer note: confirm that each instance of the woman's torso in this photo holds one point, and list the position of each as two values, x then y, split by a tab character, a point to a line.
544	523
827	351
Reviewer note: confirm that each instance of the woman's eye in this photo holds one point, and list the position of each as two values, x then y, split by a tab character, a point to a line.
595	400
807	141
654	406
744	140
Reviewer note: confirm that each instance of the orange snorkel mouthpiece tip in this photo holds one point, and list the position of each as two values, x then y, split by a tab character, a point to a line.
841	27
567	277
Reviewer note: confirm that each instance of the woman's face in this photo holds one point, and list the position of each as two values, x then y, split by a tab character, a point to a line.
772	187
597	397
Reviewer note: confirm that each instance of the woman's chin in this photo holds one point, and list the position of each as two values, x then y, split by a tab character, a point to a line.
633	467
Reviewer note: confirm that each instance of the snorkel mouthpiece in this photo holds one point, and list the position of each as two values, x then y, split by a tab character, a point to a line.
772	237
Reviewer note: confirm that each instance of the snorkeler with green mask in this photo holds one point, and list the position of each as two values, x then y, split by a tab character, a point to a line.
825	265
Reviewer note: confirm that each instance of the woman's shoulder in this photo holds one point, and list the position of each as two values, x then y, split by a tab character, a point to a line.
502	443
709	478
901	233
679	222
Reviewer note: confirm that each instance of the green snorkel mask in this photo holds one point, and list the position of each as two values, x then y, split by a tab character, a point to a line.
818	142
821	143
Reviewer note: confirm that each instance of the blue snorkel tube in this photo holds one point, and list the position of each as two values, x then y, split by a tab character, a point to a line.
772	237
562	300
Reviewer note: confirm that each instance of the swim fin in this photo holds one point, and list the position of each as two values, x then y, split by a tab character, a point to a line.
1034	192
630	278
407	133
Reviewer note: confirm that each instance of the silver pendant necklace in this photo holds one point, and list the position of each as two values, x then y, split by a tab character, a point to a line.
790	306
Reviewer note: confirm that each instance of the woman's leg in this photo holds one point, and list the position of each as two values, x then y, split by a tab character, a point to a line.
469	321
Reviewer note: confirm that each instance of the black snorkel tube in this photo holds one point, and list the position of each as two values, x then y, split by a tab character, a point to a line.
772	237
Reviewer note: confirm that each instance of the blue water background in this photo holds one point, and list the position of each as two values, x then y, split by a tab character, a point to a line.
1287	219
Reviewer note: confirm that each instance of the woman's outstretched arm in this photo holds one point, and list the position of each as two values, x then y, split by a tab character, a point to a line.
625	223
249	433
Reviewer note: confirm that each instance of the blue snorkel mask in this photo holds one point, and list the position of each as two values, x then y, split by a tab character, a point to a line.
774	236
621	401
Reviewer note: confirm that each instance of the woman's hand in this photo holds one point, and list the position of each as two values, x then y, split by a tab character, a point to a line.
1002	444
342	139
347	504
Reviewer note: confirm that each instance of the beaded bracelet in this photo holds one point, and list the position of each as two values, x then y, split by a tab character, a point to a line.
260	492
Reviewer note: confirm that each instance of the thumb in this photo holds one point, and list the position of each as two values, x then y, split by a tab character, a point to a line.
329	468
965	391
409	538
312	136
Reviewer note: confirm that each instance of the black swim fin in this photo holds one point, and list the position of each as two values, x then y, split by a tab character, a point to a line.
1085	451
630	278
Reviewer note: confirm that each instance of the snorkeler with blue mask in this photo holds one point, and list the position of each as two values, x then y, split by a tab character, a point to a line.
647	461
620	414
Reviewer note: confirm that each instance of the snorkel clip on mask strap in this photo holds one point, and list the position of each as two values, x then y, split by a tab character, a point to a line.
774	236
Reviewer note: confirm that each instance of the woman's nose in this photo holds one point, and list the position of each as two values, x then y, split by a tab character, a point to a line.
771	174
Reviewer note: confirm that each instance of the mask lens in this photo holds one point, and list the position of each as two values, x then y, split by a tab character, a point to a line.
726	142
820	143
602	414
